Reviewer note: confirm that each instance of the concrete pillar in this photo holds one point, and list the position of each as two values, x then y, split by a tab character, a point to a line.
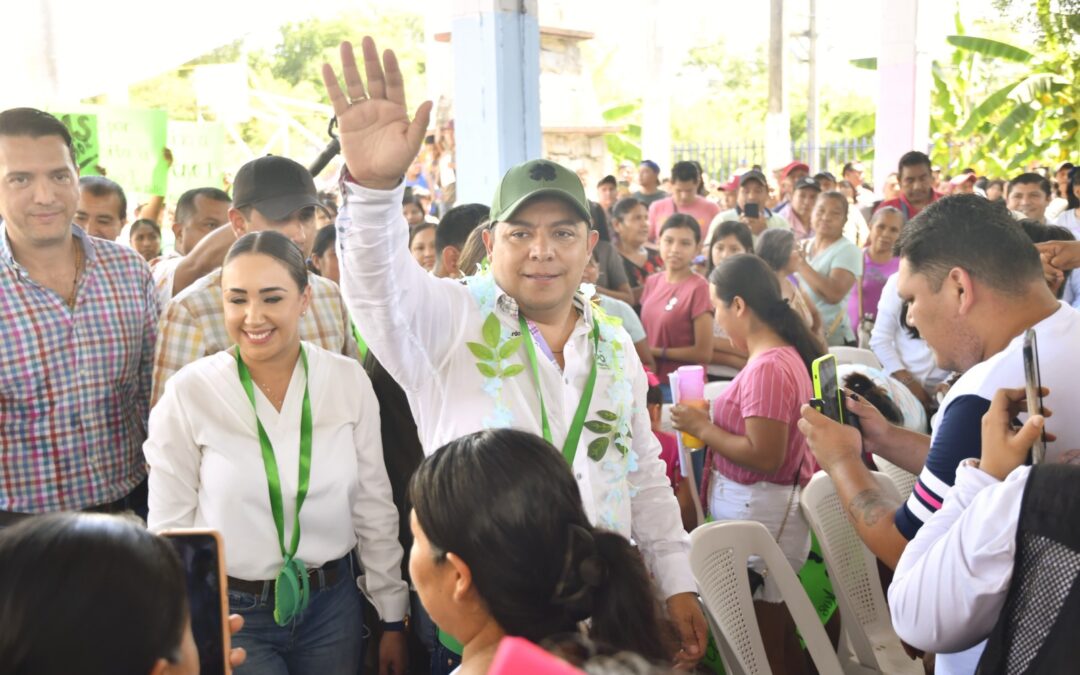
904	85
496	91
656	87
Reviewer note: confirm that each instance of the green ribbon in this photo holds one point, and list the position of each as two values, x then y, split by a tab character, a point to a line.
291	587
573	435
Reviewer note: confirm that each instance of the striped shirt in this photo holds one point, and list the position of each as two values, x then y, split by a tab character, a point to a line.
958	424
74	384
774	385
193	326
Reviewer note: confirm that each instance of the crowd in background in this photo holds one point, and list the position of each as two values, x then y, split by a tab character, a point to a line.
137	379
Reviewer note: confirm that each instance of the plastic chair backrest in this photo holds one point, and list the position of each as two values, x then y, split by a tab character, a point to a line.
718	557
903	480
856	355
854	574
714	389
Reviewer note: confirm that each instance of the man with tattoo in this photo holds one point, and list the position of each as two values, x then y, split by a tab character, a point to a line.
974	284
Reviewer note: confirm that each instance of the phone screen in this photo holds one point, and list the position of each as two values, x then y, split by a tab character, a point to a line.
200	556
752	210
1033	384
827	387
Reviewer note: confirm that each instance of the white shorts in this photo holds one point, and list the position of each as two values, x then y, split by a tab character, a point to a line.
765	503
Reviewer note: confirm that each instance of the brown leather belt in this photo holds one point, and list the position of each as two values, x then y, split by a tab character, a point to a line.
318	577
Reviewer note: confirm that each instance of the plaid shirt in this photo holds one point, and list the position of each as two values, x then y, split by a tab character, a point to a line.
193	326
74	385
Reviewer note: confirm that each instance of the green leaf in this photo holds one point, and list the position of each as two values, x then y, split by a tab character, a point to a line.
492	330
598	448
480	351
990	48
619	111
509	347
1020	114
622	448
607	415
486	370
513	370
598	427
987	108
865	64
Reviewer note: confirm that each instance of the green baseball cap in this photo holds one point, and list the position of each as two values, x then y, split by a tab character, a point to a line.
536	178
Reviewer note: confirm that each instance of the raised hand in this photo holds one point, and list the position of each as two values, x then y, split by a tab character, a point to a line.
378	141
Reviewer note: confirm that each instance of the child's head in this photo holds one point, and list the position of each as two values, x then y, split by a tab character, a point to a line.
729	238
680	237
654	399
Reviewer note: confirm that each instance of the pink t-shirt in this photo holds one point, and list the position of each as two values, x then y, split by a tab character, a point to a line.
669	455
701	209
668	311
774	386
873	281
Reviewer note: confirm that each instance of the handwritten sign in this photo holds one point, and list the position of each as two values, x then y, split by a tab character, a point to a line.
198	150
84	138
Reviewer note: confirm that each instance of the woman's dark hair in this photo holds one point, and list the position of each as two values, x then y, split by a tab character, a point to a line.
277	246
144	222
875	396
90	594
748	277
912	331
414	200
538	564
774	247
413	231
729	228
324	239
681	221
1074	181
625	206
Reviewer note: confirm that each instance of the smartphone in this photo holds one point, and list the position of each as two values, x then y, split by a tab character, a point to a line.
1033	383
752	210
827	391
202	555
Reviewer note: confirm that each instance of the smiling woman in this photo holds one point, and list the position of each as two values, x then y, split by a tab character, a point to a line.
213	461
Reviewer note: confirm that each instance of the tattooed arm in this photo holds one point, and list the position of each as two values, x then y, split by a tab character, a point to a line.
837	449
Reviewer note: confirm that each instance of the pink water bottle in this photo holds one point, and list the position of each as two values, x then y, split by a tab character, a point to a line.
692	394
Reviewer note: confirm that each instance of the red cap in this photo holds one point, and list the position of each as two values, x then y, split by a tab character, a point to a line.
791	167
732	185
962	178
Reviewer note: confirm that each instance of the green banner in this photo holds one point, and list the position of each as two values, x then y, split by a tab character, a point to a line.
132	144
198	150
84	137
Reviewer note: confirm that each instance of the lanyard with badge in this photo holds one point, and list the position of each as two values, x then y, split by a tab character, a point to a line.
573	435
291	586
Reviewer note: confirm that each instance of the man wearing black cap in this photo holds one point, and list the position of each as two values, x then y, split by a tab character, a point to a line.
269	193
519	345
753	189
798	210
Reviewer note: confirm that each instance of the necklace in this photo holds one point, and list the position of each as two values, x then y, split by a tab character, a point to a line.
75	281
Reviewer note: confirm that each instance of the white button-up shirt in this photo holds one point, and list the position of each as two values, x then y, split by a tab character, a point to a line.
418	327
952	580
206	470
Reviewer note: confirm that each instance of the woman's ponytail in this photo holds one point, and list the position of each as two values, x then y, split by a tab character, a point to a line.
626	614
751	279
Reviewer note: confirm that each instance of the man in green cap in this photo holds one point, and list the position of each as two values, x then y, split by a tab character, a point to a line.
518	345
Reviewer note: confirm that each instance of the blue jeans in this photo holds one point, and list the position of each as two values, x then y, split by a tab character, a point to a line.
326	638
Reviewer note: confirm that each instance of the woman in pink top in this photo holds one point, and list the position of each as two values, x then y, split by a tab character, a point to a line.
675	307
879	264
757	459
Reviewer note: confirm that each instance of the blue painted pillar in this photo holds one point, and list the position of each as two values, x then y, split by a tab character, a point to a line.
496	92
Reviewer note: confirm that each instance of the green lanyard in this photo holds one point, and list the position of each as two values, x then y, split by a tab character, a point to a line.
573	435
273	480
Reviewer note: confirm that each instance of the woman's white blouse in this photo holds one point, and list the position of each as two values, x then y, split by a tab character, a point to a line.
206	470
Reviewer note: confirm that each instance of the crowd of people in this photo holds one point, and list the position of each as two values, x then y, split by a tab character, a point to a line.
466	406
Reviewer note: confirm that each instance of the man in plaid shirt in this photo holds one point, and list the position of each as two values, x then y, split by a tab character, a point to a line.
78	318
269	193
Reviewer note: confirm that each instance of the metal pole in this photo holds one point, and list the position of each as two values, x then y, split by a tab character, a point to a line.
812	94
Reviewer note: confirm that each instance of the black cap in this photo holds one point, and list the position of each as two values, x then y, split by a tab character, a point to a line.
826	175
754	174
276	186
807	183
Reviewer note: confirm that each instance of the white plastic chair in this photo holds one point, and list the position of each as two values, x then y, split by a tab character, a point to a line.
714	389
718	558
856	355
903	479
868	644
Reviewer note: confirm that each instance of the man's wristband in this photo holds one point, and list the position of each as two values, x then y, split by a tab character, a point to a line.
393	626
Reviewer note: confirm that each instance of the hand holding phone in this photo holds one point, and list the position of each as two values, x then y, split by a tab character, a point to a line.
1033	386
827	392
752	210
202	555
